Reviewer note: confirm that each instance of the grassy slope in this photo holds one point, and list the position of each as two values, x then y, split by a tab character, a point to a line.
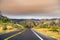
47	32
7	25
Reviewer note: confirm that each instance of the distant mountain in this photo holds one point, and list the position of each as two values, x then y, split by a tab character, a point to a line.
1	16
18	20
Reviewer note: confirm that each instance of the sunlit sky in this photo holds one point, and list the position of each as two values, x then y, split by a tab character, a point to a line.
30	8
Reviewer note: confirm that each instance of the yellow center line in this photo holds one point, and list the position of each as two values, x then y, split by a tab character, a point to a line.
14	35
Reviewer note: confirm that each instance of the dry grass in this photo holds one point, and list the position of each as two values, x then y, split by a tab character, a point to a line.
10	29
46	31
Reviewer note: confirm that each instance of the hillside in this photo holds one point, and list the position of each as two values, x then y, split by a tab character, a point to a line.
7	25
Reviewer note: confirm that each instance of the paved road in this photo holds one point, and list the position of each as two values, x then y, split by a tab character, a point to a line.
3	36
28	35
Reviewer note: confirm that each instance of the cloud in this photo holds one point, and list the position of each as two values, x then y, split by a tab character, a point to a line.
30	8
25	6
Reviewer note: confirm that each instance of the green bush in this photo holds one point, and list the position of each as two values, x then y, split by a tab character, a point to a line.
4	28
5	20
43	26
54	29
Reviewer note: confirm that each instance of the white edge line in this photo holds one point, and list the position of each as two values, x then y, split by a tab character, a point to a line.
37	35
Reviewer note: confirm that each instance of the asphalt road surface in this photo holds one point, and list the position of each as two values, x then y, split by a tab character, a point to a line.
3	36
28	34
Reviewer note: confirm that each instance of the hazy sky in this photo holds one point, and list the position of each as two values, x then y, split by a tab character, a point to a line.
30	8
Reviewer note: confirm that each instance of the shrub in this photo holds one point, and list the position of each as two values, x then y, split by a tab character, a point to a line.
43	26
54	29
5	20
4	28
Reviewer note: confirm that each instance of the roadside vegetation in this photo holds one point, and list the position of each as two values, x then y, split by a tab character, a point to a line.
7	25
49	27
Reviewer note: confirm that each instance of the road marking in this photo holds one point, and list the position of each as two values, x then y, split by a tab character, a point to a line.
7	32
14	35
37	35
